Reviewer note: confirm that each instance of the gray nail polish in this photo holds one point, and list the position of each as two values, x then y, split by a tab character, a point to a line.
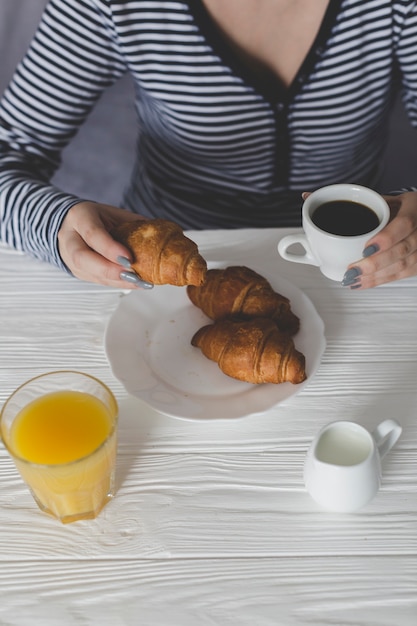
370	250
122	260
133	278
356	286
351	276
349	283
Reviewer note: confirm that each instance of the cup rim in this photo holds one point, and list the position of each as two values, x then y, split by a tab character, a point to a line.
358	427
55	466
352	187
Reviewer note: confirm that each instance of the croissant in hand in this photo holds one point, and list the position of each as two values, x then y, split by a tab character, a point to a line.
254	351
238	291
162	254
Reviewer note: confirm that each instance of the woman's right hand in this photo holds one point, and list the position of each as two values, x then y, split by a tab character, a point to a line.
87	248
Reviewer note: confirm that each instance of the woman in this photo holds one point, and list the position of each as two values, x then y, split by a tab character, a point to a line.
242	105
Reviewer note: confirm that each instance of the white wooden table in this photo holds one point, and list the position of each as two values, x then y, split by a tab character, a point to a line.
211	524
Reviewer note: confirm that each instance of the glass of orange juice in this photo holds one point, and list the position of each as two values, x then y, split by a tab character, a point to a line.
61	430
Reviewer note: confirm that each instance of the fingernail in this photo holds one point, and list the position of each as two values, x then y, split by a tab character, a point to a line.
133	278
356	286
370	250
351	276
122	260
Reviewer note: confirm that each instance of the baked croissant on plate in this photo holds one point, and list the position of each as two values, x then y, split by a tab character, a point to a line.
254	351
238	291
162	254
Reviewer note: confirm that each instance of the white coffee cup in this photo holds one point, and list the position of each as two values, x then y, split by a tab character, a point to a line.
332	251
342	470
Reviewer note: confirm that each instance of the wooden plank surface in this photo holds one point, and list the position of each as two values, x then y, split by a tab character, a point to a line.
211	523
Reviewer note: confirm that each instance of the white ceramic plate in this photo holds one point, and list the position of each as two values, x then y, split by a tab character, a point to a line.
148	346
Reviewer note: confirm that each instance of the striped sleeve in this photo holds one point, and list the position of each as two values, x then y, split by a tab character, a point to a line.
72	59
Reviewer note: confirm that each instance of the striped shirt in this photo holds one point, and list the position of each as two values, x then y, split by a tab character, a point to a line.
218	147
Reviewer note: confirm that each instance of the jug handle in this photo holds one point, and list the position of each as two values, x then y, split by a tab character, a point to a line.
386	435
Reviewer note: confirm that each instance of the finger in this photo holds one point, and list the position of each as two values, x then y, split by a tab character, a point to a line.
95	235
136	280
399	256
403	268
390	250
88	265
403	223
94	222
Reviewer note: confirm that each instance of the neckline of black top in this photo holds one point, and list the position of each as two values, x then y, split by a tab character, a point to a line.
271	89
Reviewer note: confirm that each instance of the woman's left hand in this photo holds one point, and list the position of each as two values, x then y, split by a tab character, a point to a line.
392	253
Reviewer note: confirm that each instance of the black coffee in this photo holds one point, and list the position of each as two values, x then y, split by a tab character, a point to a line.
343	217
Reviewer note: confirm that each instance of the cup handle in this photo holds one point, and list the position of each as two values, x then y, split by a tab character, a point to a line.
308	256
386	435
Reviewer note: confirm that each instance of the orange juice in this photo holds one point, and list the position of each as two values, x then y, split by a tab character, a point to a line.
64	444
60	427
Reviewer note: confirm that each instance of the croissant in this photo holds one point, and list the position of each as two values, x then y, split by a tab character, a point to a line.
240	291
254	351
162	254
